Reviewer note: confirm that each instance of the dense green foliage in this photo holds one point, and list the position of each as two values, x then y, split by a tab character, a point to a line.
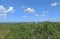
45	30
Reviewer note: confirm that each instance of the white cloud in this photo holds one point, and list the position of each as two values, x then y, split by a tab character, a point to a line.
55	4
29	10
9	10
2	8
36	14
3	14
4	11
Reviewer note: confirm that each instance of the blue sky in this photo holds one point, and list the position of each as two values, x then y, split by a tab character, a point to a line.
29	10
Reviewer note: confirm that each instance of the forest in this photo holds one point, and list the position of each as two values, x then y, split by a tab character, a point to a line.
30	30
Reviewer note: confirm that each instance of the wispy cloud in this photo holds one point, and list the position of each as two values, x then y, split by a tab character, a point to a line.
55	4
24	16
4	11
43	15
53	18
36	14
3	15
45	11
